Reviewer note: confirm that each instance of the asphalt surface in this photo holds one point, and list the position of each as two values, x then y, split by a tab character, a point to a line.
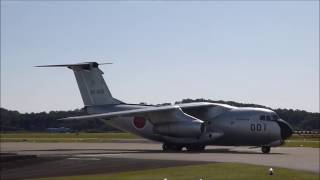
89	158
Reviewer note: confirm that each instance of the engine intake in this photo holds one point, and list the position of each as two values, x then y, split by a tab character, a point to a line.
181	129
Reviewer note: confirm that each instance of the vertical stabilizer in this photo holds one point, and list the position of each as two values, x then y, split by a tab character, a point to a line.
92	86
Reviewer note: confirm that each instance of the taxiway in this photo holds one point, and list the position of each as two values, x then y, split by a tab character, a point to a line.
117	157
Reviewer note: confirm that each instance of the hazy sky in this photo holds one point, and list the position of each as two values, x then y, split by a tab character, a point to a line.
251	52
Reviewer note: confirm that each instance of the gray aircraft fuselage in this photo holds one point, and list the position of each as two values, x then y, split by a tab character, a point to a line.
233	126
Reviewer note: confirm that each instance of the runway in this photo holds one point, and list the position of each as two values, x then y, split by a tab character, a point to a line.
117	157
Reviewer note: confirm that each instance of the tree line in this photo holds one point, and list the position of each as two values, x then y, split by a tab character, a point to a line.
16	121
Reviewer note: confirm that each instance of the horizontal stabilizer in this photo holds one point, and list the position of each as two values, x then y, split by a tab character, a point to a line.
85	64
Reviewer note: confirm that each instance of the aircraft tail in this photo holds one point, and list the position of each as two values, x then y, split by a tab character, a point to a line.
92	86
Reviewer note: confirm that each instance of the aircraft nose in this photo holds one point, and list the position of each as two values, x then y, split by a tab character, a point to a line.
286	129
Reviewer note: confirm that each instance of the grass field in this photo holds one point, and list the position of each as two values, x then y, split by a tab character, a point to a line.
65	137
303	141
219	171
294	141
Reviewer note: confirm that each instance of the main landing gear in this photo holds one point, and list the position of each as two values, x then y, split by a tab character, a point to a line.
174	147
265	149
171	147
196	148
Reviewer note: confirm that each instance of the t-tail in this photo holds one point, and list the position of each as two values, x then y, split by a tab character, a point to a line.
92	86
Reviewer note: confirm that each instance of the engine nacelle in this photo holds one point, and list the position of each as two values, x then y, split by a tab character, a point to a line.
180	129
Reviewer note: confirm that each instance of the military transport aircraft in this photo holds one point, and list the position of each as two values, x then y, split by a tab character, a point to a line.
191	126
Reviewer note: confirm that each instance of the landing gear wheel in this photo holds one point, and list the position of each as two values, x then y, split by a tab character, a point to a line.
171	147
265	149
178	148
165	147
200	148
196	148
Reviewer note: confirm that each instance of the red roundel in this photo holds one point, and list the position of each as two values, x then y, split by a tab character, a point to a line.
139	122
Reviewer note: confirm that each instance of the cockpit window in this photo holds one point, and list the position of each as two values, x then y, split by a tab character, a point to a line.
271	117
268	118
275	117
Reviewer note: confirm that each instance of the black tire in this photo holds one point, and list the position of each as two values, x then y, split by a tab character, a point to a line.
165	147
171	147
202	148
265	149
196	148
177	147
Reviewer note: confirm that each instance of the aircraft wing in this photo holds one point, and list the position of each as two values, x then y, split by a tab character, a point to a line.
203	104
133	112
157	115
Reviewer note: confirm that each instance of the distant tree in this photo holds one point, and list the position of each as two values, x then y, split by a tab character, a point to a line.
14	121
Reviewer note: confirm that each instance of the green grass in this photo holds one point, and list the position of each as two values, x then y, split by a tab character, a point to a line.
219	171
65	137
303	141
308	137
293	143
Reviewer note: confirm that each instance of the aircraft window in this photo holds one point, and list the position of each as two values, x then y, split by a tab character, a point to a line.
275	117
268	118
262	117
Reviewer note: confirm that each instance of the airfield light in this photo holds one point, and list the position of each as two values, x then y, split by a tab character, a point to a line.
270	171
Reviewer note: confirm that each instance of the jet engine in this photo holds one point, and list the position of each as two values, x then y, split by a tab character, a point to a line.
181	129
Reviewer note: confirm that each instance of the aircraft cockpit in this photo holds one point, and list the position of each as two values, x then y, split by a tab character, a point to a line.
269	117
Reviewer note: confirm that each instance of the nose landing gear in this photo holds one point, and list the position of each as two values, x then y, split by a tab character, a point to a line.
265	149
